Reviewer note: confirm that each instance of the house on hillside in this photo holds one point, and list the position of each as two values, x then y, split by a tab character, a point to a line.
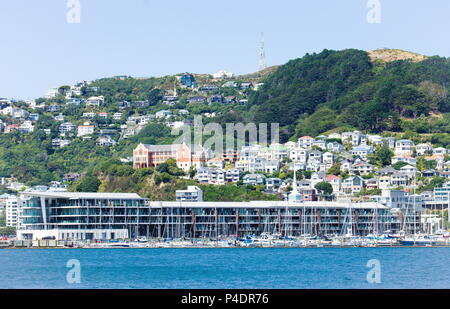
95	101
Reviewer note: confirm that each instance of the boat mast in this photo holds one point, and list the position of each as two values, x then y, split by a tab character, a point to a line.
414	207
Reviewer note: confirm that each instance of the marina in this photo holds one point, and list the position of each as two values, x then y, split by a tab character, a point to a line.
249	241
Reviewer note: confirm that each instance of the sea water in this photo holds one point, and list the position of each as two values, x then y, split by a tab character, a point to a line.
234	268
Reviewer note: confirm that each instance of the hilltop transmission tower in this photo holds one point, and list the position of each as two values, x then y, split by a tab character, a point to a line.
262	54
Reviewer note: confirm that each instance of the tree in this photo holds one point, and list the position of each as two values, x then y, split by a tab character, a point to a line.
170	167
192	172
63	90
322	120
307	174
437	182
335	169
423	164
7	231
325	188
398	165
2	219
382	156
88	183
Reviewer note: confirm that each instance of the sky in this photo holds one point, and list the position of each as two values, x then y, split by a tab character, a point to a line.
40	49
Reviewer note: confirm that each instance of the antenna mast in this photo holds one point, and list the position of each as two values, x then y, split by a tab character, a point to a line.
262	54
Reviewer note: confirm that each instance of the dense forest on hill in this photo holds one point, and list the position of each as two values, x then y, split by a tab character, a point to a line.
344	89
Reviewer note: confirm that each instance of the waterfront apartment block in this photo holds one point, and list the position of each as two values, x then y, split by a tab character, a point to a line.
79	216
90	216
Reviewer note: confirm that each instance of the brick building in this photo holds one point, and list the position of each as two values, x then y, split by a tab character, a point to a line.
187	156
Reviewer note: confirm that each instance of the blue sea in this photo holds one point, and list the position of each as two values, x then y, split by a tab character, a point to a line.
327	268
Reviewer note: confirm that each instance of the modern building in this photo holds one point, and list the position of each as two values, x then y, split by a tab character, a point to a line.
192	194
13	208
443	193
91	216
81	216
399	199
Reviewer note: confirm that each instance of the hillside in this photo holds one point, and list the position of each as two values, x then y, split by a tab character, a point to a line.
388	55
327	91
334	89
258	76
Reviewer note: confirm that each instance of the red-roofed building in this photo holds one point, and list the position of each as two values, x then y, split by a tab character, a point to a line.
11	127
145	156
306	142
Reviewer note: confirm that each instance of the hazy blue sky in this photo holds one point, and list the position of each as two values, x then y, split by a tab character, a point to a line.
41	50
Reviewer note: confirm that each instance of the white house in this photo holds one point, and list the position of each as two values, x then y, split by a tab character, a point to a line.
306	142
85	129
26	127
163	114
362	151
105	141
335	147
423	149
95	101
328	159
352	185
439	151
298	155
404	147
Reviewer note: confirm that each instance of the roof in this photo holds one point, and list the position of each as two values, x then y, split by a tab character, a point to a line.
155	148
268	204
332	177
304	182
254	175
388	169
171	147
399	174
85	195
372	180
362	148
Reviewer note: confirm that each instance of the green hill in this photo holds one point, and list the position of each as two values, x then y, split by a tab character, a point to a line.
384	91
333	89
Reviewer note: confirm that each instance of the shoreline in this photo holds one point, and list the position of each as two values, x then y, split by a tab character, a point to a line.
222	247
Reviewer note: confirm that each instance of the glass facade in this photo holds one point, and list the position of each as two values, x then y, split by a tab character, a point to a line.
199	220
